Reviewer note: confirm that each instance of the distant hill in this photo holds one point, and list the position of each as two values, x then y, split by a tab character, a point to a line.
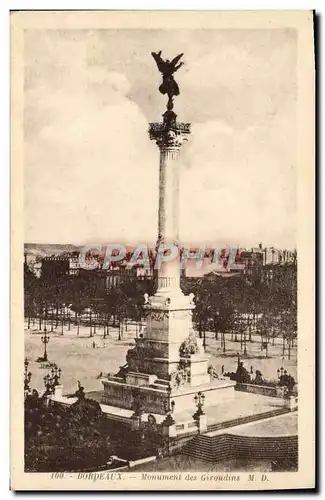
47	250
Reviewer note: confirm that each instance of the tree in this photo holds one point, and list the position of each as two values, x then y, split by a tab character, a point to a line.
203	310
263	326
65	439
30	284
78	307
288	325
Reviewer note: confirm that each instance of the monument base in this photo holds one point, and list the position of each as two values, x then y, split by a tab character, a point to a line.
154	395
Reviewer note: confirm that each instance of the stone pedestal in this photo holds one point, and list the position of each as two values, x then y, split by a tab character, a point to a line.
202	423
58	390
291	402
135	423
279	391
155	398
169	430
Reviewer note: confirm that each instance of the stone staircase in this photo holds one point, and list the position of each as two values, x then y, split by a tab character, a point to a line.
205	447
222	446
160	384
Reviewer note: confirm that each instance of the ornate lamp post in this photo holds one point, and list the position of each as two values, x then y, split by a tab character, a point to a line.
27	378
169	407
56	375
280	372
45	339
138	411
51	381
199	402
48	384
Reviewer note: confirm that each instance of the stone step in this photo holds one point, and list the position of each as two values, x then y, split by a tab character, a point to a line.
207	447
157	386
197	445
215	447
200	454
162	382
208	454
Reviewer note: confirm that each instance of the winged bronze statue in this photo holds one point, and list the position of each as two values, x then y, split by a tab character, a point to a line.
167	69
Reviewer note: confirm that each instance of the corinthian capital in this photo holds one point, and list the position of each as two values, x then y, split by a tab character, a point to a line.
172	136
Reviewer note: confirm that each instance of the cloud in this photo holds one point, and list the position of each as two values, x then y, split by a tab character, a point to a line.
248	184
91	172
88	161
242	63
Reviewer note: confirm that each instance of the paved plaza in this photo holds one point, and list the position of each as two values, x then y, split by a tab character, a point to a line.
80	360
283	425
76	357
242	404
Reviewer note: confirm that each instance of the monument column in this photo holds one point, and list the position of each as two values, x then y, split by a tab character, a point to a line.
169	311
167	364
169	137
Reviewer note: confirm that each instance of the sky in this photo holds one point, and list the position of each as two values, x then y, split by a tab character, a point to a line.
91	172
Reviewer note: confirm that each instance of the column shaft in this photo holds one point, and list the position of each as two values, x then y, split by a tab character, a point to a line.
168	219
